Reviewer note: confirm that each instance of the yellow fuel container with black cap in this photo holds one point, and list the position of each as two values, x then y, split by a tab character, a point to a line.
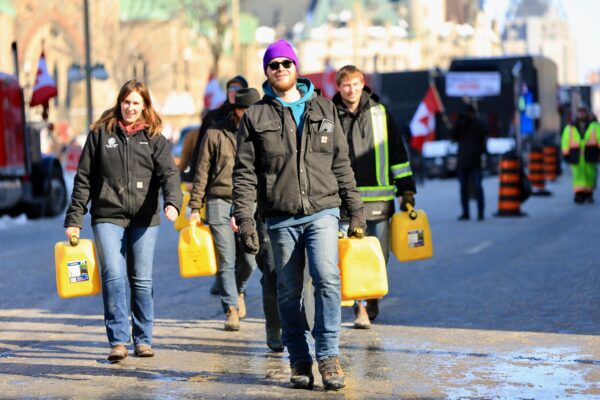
410	235
363	272
196	251
77	268
182	219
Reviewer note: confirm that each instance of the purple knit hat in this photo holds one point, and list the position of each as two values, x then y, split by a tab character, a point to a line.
280	48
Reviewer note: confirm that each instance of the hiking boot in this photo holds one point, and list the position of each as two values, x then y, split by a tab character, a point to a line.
233	319
143	350
373	308
274	339
117	353
463	217
361	319
332	373
302	376
241	306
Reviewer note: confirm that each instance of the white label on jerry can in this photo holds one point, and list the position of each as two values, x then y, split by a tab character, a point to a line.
78	271
416	238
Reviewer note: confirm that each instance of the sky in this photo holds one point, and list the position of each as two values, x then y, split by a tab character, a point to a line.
583	16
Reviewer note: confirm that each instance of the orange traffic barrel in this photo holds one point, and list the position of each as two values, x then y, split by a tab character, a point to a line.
551	162
536	175
509	193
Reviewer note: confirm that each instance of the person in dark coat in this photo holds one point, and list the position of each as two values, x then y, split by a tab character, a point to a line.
470	132
125	164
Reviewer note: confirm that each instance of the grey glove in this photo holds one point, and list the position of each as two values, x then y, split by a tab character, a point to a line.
357	227
248	236
407	198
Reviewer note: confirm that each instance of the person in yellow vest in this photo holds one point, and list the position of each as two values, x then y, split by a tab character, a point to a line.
579	146
380	163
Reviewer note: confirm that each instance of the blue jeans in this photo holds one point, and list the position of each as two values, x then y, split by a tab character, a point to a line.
381	230
316	240
217	218
126	254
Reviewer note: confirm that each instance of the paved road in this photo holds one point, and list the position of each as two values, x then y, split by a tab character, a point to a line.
506	308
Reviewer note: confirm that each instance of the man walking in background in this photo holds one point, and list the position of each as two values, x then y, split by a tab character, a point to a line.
470	133
379	161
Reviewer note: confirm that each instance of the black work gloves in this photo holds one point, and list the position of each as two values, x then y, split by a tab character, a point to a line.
407	198
248	236
357	227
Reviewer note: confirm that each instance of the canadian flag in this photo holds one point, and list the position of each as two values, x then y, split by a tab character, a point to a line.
422	124
214	96
45	87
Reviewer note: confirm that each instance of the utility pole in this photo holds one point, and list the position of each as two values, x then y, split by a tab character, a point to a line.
88	62
235	26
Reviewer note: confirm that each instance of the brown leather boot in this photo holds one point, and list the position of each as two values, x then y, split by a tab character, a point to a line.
361	318
332	373
241	306
302	376
143	350
233	320
117	353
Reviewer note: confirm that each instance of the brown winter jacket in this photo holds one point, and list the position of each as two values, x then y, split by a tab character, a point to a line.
215	162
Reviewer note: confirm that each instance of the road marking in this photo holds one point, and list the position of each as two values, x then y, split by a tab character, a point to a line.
479	247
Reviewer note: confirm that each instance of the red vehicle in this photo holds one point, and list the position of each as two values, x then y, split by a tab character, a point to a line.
30	182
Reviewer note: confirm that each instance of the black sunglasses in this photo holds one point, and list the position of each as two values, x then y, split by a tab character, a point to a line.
274	65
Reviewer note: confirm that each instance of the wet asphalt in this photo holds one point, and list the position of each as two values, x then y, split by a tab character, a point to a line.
506	308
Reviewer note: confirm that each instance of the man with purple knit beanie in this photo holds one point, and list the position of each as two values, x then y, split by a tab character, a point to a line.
292	159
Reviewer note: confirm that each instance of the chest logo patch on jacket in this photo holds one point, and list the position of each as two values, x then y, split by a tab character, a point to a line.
140	185
323	139
112	143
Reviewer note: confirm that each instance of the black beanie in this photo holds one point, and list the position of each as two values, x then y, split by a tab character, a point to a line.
239	79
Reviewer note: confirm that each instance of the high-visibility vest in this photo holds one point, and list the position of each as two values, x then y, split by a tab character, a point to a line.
573	140
385	190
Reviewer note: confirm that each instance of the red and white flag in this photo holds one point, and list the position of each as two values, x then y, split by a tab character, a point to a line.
422	124
45	87
214	96
328	83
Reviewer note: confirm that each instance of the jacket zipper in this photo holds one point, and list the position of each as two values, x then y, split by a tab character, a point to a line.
127	180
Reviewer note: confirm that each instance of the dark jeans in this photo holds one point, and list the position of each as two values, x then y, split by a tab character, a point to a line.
266	264
467	177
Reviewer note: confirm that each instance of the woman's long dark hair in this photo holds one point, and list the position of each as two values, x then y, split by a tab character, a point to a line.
111	116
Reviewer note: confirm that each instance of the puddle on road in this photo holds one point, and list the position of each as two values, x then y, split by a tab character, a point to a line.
539	373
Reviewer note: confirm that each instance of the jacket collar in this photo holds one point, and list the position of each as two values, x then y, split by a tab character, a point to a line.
270	98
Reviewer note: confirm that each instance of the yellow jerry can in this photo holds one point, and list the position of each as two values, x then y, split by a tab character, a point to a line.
196	251
363	271
77	268
182	219
410	235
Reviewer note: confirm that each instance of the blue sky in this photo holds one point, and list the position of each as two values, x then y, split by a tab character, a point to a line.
583	16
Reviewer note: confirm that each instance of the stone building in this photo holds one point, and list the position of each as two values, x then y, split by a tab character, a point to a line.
143	39
395	35
540	27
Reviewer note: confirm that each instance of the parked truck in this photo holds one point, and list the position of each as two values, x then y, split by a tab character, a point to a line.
30	182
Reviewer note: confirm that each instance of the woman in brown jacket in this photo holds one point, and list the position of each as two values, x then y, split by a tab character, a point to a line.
213	183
